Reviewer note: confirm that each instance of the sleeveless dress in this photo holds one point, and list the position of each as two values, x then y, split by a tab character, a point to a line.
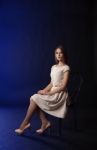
54	104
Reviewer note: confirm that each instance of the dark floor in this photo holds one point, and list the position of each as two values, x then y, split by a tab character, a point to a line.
83	137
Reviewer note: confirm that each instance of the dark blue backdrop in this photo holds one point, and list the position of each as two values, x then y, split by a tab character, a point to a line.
29	32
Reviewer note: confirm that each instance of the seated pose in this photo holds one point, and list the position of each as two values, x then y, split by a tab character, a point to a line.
51	99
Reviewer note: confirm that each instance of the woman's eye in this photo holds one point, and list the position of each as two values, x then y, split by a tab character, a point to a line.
58	53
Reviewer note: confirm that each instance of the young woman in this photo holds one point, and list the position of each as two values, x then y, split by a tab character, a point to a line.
51	99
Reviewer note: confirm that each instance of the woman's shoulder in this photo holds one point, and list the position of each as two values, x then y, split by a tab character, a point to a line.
66	68
53	66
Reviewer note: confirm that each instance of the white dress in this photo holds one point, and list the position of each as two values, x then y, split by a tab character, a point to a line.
54	104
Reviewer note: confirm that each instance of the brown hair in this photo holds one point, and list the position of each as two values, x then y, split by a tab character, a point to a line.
64	51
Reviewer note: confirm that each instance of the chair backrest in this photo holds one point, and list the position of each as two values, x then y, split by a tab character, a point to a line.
74	87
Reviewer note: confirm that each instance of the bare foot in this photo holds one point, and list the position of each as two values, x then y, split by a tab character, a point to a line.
44	126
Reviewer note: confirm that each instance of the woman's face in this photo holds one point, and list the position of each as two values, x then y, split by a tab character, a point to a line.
59	55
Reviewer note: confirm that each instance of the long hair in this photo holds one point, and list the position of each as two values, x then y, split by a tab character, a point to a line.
64	51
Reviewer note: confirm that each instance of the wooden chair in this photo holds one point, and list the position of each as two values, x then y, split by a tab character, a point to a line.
74	87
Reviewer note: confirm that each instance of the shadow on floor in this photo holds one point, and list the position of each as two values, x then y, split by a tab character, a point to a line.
70	139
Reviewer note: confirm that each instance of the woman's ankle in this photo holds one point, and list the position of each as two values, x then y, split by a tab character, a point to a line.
22	126
44	123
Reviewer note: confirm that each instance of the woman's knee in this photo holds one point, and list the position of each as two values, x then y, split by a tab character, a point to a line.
33	96
30	98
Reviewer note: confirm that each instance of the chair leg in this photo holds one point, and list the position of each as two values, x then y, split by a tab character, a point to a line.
60	127
75	119
56	129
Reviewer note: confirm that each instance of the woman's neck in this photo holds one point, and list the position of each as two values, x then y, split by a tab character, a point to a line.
61	63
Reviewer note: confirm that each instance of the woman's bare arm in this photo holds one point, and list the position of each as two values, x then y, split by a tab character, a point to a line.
46	89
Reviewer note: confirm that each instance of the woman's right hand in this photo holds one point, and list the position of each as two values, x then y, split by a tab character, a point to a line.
42	92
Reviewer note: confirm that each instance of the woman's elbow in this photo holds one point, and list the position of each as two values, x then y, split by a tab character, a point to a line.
63	88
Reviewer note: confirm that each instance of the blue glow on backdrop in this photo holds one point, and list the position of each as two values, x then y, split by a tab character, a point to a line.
21	48
29	32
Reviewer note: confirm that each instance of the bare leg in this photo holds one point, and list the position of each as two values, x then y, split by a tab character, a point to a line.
45	122
42	117
25	124
32	107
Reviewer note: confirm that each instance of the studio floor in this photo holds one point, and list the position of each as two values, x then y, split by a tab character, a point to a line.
83	138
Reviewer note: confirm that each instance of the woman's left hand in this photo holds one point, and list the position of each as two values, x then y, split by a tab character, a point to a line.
50	93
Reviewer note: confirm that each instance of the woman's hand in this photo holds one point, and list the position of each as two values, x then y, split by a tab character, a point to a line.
50	93
42	92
